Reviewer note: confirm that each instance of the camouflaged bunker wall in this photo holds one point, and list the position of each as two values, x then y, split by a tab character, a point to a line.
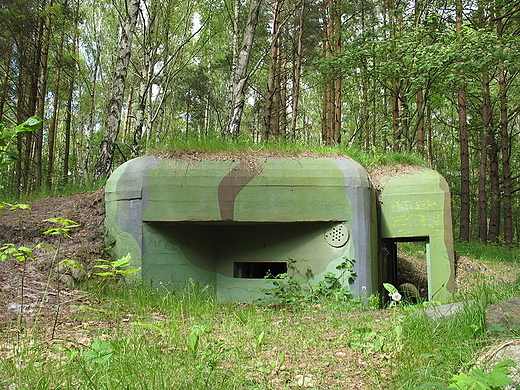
226	223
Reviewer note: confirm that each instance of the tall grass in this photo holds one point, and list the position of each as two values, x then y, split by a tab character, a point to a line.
488	252
437	349
139	338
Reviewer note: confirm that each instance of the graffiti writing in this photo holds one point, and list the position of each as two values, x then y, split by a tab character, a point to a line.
416	205
416	213
162	244
415	220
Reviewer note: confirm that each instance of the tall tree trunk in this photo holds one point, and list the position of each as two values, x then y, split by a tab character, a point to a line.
127	114
428	126
420	91
485	143
240	75
506	147
395	89
365	114
506	158
42	91
464	146
336	20
273	85
420	121
85	163
145	83
283	96
70	98
396	117
67	131
494	179
331	131
297	74
20	114
365	110
107	147
5	84
51	141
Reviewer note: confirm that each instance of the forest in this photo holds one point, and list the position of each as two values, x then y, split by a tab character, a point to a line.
115	79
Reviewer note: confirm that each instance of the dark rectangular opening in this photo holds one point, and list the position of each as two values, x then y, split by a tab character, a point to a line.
406	262
259	269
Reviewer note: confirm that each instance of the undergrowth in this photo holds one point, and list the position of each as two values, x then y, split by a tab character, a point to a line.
316	335
134	337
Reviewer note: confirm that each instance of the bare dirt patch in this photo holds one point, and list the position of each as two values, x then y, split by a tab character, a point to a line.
34	285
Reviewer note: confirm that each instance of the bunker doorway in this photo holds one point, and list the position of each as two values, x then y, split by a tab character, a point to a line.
407	262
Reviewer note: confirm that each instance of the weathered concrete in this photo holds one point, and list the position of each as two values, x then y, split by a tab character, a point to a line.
417	206
217	220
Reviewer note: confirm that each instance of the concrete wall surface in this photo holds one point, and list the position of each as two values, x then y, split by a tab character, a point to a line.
416	205
225	222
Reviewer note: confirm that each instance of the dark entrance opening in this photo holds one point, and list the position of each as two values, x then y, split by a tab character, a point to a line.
406	262
259	270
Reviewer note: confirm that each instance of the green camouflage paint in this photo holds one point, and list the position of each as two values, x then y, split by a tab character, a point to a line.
198	219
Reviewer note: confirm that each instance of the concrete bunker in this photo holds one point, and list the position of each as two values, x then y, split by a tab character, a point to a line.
230	222
415	206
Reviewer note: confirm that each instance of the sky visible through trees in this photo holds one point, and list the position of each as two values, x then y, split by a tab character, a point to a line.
114	79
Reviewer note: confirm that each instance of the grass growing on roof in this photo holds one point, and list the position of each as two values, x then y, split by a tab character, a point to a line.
216	145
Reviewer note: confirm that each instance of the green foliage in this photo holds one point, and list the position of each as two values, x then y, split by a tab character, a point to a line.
495	379
100	352
8	154
115	268
434	349
488	252
296	289
365	339
72	264
19	254
216	144
186	341
394	294
194	337
10	207
64	226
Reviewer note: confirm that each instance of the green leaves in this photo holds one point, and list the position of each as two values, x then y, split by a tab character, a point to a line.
99	352
64	226
390	288
114	268
8	154
364	339
19	254
481	380
478	379
194	337
30	124
11	207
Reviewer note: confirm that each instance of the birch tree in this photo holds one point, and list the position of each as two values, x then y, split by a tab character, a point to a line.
239	73
107	147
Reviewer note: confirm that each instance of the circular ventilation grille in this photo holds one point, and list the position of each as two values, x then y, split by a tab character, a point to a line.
337	235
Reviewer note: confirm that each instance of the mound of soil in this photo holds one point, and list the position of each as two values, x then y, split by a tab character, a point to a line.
36	284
